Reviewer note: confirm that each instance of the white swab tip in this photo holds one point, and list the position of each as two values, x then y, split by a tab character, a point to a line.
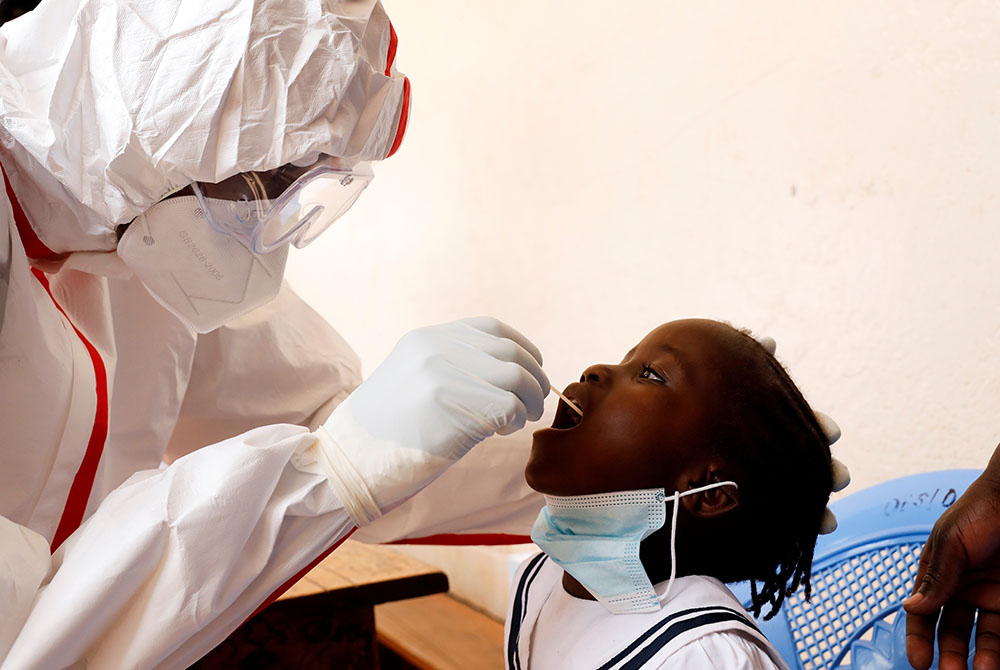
566	400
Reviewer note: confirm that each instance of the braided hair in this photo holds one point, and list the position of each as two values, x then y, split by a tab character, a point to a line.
767	429
11	9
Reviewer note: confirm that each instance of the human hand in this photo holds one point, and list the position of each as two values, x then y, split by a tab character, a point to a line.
442	390
958	577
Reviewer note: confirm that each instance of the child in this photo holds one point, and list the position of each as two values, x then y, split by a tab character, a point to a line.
699	408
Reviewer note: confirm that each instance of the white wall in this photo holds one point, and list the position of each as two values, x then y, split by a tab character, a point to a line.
822	172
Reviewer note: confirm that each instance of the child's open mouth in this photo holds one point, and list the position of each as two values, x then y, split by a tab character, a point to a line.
566	417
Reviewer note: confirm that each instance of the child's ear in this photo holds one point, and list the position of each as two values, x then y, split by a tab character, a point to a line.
713	502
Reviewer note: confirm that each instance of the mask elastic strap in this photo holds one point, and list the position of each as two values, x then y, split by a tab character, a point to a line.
676	498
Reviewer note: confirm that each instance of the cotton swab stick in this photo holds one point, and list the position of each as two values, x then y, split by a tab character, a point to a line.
566	400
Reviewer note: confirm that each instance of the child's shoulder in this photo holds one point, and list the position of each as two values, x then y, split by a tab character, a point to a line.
532	565
703	619
538	572
701	615
536	575
699	591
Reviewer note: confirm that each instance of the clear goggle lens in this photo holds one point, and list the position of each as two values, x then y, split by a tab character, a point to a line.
290	204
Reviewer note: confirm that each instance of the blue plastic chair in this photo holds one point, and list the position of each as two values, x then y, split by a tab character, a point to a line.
861	574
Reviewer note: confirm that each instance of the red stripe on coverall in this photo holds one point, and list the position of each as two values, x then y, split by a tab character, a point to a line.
33	246
296	577
390	55
83	482
404	116
464	539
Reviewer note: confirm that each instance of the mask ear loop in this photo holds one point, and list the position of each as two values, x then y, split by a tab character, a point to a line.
676	498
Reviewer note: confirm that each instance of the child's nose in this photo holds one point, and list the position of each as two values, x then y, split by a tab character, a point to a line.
596	374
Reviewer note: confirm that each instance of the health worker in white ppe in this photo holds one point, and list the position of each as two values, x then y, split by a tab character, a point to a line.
209	135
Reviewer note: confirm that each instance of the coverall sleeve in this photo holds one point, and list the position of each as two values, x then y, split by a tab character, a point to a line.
175	559
24	560
282	363
482	499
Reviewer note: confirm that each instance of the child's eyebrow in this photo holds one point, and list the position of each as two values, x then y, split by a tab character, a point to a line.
673	351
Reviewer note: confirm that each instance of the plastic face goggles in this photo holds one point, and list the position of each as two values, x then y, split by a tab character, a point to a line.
288	204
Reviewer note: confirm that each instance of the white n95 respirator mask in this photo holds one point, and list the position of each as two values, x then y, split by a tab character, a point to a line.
203	276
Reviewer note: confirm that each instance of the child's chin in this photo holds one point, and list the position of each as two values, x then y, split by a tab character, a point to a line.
534	475
543	475
545	466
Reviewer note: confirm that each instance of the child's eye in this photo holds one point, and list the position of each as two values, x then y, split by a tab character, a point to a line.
650	373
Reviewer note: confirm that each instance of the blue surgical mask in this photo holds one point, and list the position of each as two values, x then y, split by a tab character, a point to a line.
596	538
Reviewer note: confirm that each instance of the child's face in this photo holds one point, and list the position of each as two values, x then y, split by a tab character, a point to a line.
644	419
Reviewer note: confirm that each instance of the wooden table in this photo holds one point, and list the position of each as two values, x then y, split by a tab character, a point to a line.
327	619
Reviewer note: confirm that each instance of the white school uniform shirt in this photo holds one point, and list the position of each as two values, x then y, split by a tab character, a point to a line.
701	626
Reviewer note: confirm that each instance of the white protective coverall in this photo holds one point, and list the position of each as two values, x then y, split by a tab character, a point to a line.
109	559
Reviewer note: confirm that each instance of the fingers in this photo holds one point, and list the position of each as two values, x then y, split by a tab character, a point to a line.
942	563
922	610
515	418
954	633
478	390
920	639
493	378
482	374
987	642
516	370
521	385
983	590
521	372
498	328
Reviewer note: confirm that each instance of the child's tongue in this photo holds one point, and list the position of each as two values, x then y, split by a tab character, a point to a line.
566	418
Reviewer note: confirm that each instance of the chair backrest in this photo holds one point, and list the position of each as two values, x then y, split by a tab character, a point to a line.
861	574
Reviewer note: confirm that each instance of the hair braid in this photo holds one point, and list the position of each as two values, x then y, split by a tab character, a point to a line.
768	426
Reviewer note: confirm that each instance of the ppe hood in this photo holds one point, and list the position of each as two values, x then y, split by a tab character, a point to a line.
108	105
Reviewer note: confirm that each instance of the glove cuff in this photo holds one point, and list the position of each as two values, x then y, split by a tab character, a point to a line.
346	481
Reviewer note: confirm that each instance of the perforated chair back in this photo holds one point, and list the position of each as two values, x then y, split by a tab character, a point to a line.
861	574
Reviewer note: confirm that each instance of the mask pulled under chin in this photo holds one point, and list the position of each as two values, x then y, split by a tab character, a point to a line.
204	277
596	538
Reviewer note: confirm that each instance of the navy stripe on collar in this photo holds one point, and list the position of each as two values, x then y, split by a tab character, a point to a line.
666	622
670	626
519	608
707	619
